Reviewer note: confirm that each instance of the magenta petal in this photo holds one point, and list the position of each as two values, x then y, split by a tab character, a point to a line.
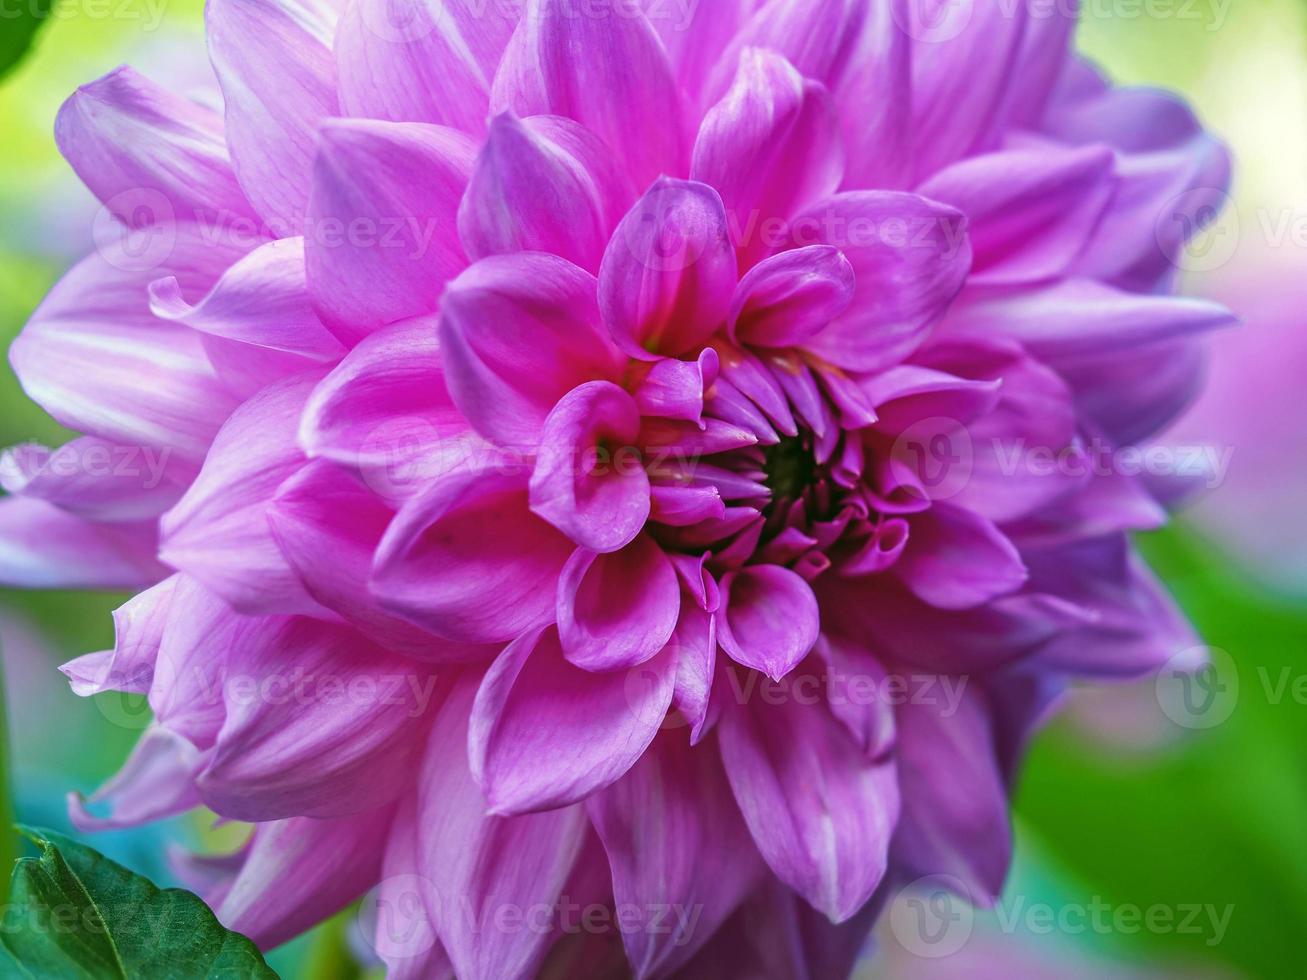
910	257
157	781
138	632
661	825
955	806
956	559
149	155
1030	212
325	510
382	237
675	389
469	561
218	532
48	548
617	610
479	863
296	873
405	936
410	61
517	333
386	413
821	813
695	643
337	733
787	299
274	63
771	147
769	619
623	76
542	184
96	479
589	480
527	755
668	275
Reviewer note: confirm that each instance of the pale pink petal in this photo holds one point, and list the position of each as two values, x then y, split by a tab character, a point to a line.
43	547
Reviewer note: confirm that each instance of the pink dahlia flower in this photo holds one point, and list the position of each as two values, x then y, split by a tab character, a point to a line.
619	482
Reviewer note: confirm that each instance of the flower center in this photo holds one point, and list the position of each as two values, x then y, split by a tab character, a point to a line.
790	467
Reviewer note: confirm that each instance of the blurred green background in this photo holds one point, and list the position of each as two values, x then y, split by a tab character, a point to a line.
1119	806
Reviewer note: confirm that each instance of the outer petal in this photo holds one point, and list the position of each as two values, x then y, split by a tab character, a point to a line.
219	531
149	155
90	355
769	619
43	547
669	272
528	755
405	936
542	184
319	722
296	873
273	60
421	61
1030	212
469	561
95	478
789	298
328	525
382	230
138	631
518	332
617	610
156	782
661	824
910	256
955	806
589	480
386	412
770	147
820	811
624	76
956	559
479	863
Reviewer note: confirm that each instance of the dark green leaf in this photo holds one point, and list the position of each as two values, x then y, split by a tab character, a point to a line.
19	22
74	913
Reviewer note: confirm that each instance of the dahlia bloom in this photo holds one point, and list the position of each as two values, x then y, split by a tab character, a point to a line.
610	456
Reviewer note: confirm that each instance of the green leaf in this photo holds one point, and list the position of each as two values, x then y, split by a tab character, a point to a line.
20	20
74	913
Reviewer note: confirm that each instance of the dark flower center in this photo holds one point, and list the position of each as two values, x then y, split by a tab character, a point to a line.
790	467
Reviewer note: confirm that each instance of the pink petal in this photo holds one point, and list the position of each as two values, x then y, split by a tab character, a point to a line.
695	643
96	479
955	805
149	155
382	237
336	733
789	298
325	511
138	632
910	257
386	412
296	873
769	620
274	63
528	755
956	559
518	332
91	352
770	147
675	389
542	184
589	479
157	781
624	76
820	812
662	824
479	863
469	561
405	936
667	277
43	547
617	610
219	531
409	61
1030	212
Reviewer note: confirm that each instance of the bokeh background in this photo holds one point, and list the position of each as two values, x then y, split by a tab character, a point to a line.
1162	829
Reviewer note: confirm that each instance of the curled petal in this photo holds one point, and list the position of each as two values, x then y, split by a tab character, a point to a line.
769	619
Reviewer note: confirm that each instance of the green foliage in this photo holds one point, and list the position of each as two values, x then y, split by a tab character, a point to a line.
75	914
20	21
